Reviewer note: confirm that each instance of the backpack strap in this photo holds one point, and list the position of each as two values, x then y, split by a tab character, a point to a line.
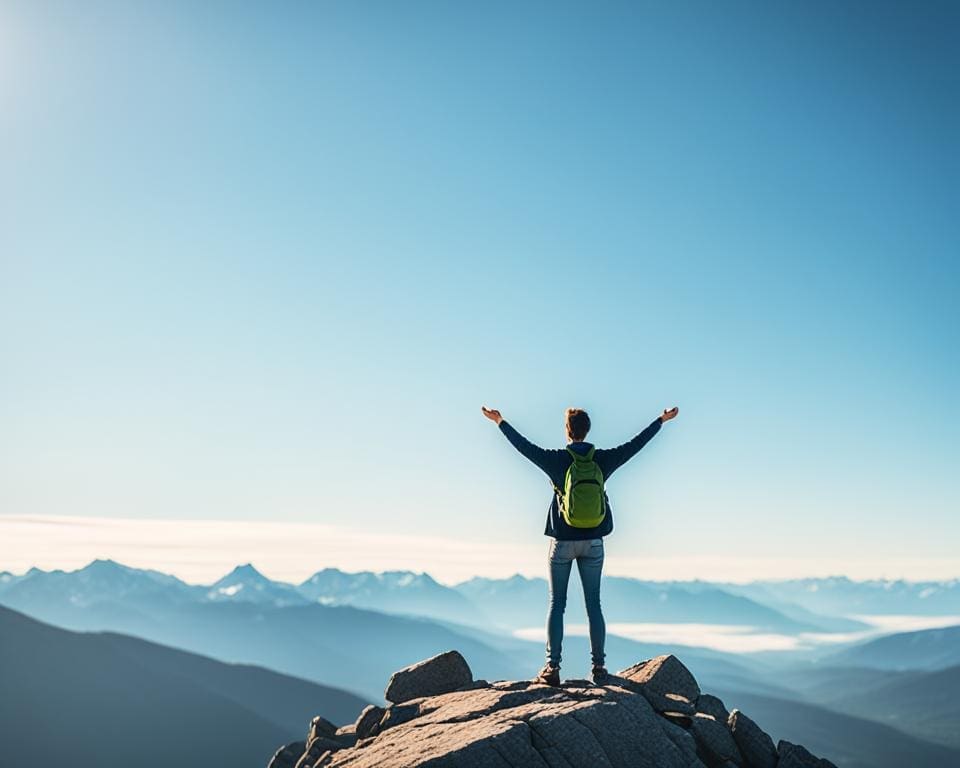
559	494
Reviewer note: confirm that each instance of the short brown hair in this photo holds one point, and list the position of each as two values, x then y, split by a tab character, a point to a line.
578	423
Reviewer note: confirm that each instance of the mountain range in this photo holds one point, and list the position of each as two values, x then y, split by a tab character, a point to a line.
841	596
245	617
507	604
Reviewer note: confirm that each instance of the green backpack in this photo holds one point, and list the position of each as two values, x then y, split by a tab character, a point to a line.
582	500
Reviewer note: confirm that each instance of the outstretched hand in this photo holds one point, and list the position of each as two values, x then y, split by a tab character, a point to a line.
492	414
669	413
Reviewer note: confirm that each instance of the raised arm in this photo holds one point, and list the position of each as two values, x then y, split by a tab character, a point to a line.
542	457
612	458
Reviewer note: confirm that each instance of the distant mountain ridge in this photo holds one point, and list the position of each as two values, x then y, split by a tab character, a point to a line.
840	595
245	583
101	577
511	603
391	591
507	604
823	604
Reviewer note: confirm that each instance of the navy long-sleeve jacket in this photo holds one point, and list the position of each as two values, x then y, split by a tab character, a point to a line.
555	461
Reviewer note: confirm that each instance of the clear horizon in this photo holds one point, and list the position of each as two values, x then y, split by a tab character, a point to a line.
216	547
263	266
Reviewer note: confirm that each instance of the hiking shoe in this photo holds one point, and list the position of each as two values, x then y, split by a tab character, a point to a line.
599	674
549	675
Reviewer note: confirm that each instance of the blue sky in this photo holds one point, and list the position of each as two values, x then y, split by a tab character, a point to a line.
264	262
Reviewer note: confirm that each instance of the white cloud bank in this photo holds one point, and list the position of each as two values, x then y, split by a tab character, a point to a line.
201	551
730	638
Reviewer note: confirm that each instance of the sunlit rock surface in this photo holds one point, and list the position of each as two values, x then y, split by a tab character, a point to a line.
647	716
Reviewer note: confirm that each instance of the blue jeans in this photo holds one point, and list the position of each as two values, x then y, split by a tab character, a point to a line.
589	556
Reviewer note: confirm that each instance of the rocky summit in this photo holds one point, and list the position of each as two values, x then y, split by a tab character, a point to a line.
651	715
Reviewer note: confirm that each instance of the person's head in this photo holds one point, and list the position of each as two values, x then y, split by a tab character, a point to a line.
578	424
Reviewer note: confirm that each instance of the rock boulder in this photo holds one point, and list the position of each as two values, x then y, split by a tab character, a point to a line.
666	683
287	756
320	726
368	723
714	741
711	705
443	673
795	756
755	745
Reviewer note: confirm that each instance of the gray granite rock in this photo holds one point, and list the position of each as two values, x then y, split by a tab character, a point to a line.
673	703
474	685
368	722
512	685
287	756
667	684
346	740
715	743
678	718
320	726
755	745
320	744
315	750
397	714
537	726
711	705
647	718
684	741
441	674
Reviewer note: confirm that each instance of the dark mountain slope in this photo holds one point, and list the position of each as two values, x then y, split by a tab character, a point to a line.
108	700
926	649
923	704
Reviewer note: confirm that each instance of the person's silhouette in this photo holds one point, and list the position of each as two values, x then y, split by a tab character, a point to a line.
578	474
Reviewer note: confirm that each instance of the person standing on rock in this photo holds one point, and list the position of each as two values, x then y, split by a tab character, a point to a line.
578	519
